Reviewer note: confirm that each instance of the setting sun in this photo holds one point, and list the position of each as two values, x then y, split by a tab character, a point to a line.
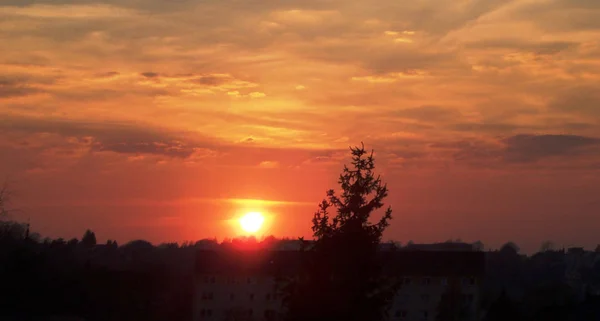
252	222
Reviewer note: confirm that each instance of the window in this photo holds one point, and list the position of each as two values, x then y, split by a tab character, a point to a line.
249	280
206	279
468	298
268	296
251	296
212	280
231	297
205	313
426	281
250	312
425	297
424	315
401	314
444	281
207	296
469	281
270	314
403	298
406	280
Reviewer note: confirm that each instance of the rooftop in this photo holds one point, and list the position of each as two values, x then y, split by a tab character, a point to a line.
404	262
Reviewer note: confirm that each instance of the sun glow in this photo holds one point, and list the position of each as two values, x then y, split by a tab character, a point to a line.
252	222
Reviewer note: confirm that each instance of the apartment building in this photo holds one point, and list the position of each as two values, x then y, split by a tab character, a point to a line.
240	285
428	276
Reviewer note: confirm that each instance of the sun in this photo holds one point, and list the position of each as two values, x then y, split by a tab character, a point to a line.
252	222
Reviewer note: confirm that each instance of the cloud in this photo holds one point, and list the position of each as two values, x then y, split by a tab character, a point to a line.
256	94
150	74
165	148
489	127
17	91
561	15
210	80
539	48
120	138
17	85
108	74
580	100
471	150
429	113
529	148
473	69
200	83
68	11
522	149
268	164
392	77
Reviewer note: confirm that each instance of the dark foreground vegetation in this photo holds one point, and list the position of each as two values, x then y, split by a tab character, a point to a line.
139	281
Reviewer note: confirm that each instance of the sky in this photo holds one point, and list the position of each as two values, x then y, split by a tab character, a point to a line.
165	120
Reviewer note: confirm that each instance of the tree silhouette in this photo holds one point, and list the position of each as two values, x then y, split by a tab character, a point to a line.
478	246
112	244
510	248
503	309
4	199
89	239
341	277
547	246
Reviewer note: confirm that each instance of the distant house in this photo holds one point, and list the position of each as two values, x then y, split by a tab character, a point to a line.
240	285
445	246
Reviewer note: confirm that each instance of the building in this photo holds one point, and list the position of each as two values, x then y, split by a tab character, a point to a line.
240	285
430	275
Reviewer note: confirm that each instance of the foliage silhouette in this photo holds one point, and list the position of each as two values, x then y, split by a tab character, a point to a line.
503	309
341	277
510	248
547	246
89	239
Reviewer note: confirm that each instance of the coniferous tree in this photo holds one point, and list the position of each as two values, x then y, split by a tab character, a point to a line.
341	277
89	239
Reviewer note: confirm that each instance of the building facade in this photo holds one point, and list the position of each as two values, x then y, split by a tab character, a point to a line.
241	285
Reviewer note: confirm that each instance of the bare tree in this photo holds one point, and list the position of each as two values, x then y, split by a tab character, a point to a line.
6	195
478	246
547	246
4	200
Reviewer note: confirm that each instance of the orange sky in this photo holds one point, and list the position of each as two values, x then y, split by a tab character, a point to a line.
144	119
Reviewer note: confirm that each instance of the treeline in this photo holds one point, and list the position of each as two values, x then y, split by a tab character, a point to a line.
81	279
551	285
140	281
